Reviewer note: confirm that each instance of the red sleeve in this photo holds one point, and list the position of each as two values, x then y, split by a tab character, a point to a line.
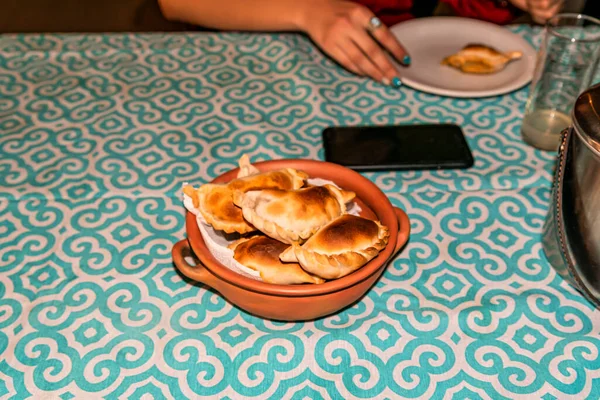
390	12
486	10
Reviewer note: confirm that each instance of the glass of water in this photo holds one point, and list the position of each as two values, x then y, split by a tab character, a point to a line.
566	65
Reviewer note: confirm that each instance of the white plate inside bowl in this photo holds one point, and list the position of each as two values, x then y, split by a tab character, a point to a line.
429	40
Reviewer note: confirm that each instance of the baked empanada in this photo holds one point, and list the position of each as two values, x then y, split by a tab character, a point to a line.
215	201
250	178
284	179
480	59
261	253
292	216
340	247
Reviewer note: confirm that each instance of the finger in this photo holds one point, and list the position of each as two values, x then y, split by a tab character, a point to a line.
542	16
537	3
555	9
374	53
543	5
391	44
338	54
359	58
361	17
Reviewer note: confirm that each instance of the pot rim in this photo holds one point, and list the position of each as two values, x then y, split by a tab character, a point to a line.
377	201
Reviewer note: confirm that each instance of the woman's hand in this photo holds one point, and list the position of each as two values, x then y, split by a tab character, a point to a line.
540	10
345	31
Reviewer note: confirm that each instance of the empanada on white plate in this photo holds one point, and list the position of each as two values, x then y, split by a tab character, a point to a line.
261	253
292	216
480	59
340	247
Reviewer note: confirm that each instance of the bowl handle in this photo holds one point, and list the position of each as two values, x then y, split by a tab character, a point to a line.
403	230
197	272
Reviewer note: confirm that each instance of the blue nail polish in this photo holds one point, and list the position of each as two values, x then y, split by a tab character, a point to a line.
406	60
396	82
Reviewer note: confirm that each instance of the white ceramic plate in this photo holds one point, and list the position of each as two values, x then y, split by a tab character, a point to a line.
429	40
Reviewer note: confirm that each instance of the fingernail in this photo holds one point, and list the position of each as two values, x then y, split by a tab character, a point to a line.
396	82
385	81
406	60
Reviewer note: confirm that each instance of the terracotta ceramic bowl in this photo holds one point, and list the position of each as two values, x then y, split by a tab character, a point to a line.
298	302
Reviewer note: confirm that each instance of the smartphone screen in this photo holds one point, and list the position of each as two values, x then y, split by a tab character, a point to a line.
397	147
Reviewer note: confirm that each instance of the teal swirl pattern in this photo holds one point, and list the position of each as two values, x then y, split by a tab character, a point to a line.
97	134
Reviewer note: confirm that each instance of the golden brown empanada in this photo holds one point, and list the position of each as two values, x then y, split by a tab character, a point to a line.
340	247
480	59
284	179
250	178
261	253
215	201
292	216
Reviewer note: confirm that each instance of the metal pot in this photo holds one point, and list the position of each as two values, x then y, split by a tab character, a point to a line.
571	238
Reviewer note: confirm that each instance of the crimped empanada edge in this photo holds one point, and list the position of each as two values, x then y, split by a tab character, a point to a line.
298	177
271	229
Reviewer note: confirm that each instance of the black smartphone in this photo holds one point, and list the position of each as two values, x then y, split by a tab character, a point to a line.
373	148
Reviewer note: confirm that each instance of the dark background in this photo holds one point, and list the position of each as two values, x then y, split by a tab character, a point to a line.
84	16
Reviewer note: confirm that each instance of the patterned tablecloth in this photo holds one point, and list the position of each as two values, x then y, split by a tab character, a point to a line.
97	134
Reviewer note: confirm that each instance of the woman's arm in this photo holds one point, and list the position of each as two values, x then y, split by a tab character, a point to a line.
342	29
